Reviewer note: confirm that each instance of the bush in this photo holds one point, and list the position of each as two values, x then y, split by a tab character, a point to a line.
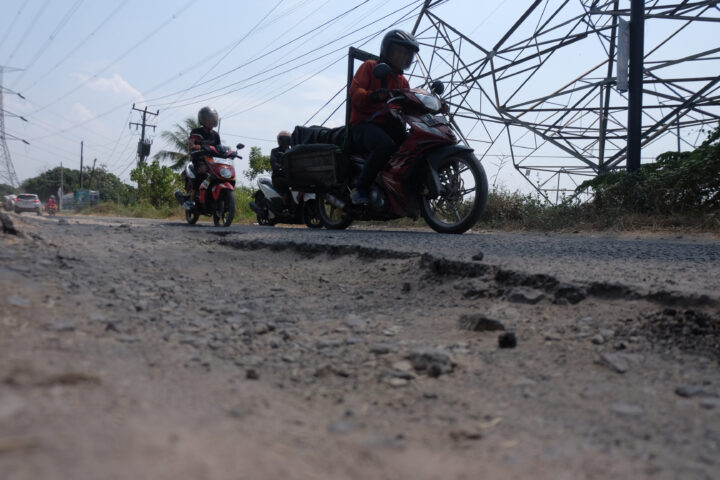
243	197
156	184
677	183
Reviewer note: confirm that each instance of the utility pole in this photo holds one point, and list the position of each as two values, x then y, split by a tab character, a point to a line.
81	165
143	149
635	102
62	188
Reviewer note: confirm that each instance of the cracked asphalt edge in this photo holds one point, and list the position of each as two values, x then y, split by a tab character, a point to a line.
443	267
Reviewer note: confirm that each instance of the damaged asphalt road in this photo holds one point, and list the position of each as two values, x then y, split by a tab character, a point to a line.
145	349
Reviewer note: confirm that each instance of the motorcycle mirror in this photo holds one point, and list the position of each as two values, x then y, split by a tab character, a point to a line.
239	146
437	87
381	70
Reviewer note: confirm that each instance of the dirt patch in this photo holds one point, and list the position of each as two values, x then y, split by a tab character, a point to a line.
154	352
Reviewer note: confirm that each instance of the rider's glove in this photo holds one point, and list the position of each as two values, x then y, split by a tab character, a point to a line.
379	95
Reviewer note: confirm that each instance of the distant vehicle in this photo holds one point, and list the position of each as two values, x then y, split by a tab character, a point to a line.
9	202
28	202
51	208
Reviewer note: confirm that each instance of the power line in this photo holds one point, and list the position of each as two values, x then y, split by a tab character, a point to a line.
13	22
26	33
152	33
82	42
325	105
243	65
68	15
249	32
367	39
363	41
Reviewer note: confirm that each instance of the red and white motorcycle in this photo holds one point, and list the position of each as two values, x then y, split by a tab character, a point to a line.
216	197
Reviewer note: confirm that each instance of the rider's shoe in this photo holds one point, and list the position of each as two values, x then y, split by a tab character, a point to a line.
188	204
359	196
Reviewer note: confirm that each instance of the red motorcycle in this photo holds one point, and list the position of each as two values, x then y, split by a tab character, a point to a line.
216	197
429	174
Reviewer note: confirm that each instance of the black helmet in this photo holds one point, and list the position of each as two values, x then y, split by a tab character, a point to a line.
397	37
283	139
208	114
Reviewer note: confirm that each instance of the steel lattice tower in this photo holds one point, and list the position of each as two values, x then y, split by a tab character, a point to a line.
7	170
545	95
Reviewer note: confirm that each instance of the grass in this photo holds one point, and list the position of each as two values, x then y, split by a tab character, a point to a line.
515	211
243	213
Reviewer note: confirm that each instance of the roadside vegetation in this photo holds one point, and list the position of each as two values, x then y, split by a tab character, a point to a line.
680	191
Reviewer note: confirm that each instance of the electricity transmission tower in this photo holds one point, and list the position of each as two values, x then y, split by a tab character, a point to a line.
7	170
545	95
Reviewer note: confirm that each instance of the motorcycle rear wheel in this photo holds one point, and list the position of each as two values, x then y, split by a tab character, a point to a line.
311	214
224	214
332	217
463	196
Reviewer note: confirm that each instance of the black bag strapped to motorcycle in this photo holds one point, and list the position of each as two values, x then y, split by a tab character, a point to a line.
315	166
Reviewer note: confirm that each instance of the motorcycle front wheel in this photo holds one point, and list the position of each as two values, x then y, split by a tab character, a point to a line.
462	198
225	210
262	213
332	217
311	214
191	216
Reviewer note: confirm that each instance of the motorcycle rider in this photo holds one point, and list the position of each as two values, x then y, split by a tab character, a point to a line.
279	180
372	126
50	204
202	135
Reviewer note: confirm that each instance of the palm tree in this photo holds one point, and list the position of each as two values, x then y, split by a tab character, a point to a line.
177	138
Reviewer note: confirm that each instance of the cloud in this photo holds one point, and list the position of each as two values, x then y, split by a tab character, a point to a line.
81	113
115	84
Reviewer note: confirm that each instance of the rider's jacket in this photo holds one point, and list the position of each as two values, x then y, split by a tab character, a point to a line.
202	137
363	84
276	160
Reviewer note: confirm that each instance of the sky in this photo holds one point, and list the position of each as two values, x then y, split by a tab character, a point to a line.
82	65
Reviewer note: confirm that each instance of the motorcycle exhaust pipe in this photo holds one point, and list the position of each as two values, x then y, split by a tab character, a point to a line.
335	202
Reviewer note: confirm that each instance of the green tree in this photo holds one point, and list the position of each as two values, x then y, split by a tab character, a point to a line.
6	189
178	140
111	188
48	182
259	164
156	183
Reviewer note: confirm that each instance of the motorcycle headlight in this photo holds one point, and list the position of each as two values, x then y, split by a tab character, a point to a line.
226	172
430	102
